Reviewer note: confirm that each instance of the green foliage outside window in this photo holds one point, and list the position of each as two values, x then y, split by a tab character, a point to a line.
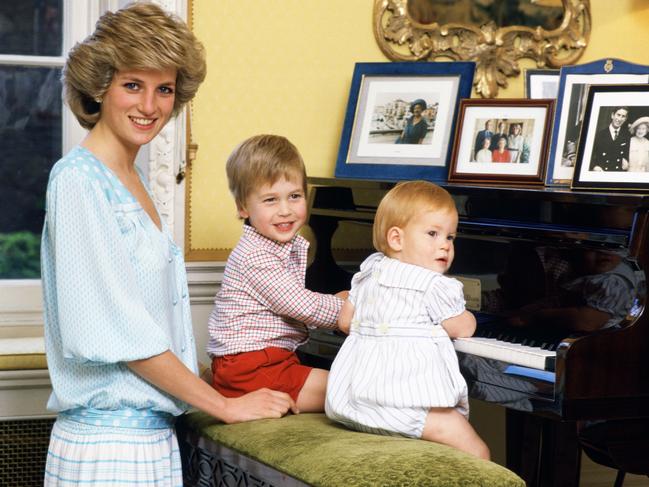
20	255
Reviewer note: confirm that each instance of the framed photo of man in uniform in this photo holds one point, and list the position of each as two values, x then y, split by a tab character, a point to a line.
570	109
613	152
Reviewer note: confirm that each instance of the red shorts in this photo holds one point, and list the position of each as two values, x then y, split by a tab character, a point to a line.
274	368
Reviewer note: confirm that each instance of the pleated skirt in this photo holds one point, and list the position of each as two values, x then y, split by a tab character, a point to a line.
83	454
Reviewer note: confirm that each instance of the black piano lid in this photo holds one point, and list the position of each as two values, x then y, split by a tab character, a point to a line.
596	219
557	194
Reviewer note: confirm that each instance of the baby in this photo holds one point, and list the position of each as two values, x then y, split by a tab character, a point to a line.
397	372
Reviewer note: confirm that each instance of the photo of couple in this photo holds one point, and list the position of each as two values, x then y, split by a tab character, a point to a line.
510	143
621	142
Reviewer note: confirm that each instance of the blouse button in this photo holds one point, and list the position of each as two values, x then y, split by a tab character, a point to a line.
170	260
384	327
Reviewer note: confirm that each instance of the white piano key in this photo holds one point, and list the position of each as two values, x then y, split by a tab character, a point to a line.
513	353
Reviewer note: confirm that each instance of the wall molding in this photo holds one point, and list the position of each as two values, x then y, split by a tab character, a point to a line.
204	280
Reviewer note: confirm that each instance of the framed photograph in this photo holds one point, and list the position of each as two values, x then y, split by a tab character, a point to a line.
502	141
571	105
401	118
613	152
541	83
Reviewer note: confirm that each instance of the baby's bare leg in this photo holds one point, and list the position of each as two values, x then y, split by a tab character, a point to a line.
312	395
449	427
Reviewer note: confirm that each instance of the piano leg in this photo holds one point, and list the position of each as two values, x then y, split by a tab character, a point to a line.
544	452
324	275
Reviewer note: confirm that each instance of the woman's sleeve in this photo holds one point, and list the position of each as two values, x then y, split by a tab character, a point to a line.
100	312
444	299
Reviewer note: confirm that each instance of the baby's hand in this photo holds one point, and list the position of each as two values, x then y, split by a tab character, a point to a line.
345	317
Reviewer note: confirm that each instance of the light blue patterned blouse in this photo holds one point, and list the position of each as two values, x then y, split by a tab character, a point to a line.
114	289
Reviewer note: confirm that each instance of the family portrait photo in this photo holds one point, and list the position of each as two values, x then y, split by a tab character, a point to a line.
502	140
399	118
615	149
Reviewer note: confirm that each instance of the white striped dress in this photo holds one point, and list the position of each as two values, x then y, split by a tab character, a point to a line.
398	361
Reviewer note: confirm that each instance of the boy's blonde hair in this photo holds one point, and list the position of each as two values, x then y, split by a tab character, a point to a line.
259	160
138	36
402	203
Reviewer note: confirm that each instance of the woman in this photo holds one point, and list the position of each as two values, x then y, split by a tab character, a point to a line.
501	154
639	145
515	142
416	126
118	331
484	154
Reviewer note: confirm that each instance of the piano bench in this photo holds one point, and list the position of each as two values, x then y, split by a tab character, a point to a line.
308	449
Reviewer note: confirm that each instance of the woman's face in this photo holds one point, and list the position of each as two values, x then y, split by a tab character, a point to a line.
417	110
501	143
486	143
641	130
138	104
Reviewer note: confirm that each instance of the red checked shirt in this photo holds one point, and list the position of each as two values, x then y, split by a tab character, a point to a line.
263	302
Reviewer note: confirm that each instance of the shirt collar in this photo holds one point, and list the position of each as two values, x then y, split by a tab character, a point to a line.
282	250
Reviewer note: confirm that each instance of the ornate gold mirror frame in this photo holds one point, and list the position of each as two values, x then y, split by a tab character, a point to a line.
495	50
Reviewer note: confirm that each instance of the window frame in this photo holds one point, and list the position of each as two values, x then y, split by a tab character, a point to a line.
21	302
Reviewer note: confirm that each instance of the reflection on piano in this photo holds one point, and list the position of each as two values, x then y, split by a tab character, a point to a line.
557	283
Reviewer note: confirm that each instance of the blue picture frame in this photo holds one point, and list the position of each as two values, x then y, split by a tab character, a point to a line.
373	144
570	107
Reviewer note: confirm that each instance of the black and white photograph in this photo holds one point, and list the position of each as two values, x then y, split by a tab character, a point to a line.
571	104
502	140
615	149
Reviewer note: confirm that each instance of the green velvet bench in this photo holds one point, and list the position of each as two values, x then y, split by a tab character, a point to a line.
308	449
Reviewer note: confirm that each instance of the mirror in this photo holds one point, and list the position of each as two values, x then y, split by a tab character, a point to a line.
528	13
494	34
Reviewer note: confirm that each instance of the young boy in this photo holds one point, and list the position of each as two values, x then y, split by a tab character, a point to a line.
263	311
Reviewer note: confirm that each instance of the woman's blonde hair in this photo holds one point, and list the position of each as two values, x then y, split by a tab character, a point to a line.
138	36
259	160
404	202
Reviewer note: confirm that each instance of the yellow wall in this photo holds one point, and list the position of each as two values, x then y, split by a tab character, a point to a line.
284	66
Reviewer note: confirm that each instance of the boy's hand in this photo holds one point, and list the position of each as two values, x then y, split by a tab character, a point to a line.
260	404
342	294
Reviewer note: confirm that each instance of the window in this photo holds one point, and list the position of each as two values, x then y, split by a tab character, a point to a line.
36	128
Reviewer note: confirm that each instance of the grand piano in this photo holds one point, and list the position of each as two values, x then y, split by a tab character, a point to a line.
556	280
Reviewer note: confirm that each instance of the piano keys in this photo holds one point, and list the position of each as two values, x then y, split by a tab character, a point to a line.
512	353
